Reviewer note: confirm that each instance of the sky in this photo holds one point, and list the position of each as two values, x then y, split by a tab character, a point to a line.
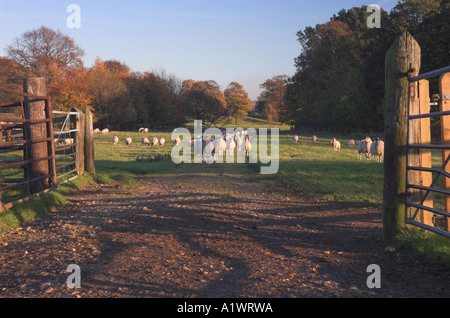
245	41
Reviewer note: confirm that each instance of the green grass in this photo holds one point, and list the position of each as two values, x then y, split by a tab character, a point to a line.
41	206
432	246
315	171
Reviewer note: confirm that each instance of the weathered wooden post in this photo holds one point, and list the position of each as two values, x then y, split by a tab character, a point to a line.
403	55
444	89
89	142
79	141
36	131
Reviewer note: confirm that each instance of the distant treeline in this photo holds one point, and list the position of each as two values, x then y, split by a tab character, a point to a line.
340	73
338	84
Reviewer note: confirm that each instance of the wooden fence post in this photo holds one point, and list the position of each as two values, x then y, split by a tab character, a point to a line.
89	142
444	88
401	56
79	141
36	110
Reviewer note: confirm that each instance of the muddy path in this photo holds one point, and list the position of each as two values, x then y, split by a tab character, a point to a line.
208	233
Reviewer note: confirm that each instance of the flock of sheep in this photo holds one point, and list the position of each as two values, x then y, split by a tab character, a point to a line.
240	141
366	146
226	143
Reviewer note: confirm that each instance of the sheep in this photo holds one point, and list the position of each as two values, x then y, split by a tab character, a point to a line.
336	145
64	141
364	147
377	149
209	151
96	131
295	138
105	131
230	146
162	141
145	141
177	141
222	146
314	139
128	141
239	143
248	146
115	140
155	141
141	129
350	143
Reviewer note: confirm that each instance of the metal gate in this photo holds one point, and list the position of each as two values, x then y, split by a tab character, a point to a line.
15	142
422	177
66	130
63	145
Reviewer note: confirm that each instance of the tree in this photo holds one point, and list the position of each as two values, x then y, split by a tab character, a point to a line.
110	97
11	76
73	91
238	103
203	100
271	100
46	53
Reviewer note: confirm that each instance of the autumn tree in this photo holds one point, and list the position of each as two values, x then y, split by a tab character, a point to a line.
72	91
46	53
11	76
203	100
110	97
271	101
238	103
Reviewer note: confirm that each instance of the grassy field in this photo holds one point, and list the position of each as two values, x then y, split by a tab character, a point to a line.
314	171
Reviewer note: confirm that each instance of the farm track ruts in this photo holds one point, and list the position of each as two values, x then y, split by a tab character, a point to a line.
192	235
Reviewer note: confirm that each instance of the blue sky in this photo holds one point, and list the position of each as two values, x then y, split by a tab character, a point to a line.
246	41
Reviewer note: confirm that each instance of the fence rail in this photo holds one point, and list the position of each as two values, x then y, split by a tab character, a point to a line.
419	188
21	136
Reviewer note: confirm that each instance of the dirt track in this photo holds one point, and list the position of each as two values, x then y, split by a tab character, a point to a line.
193	235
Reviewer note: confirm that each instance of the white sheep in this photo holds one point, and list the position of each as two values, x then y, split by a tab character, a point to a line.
155	141
336	145
295	138
177	141
364	147
105	131
209	152
162	141
145	141
248	146
141	129
377	149
96	131
239	143
231	145
350	143
128	141
115	140
314	139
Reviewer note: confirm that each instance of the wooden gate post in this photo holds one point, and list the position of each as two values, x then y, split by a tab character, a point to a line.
444	88
79	141
89	143
403	55
36	110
